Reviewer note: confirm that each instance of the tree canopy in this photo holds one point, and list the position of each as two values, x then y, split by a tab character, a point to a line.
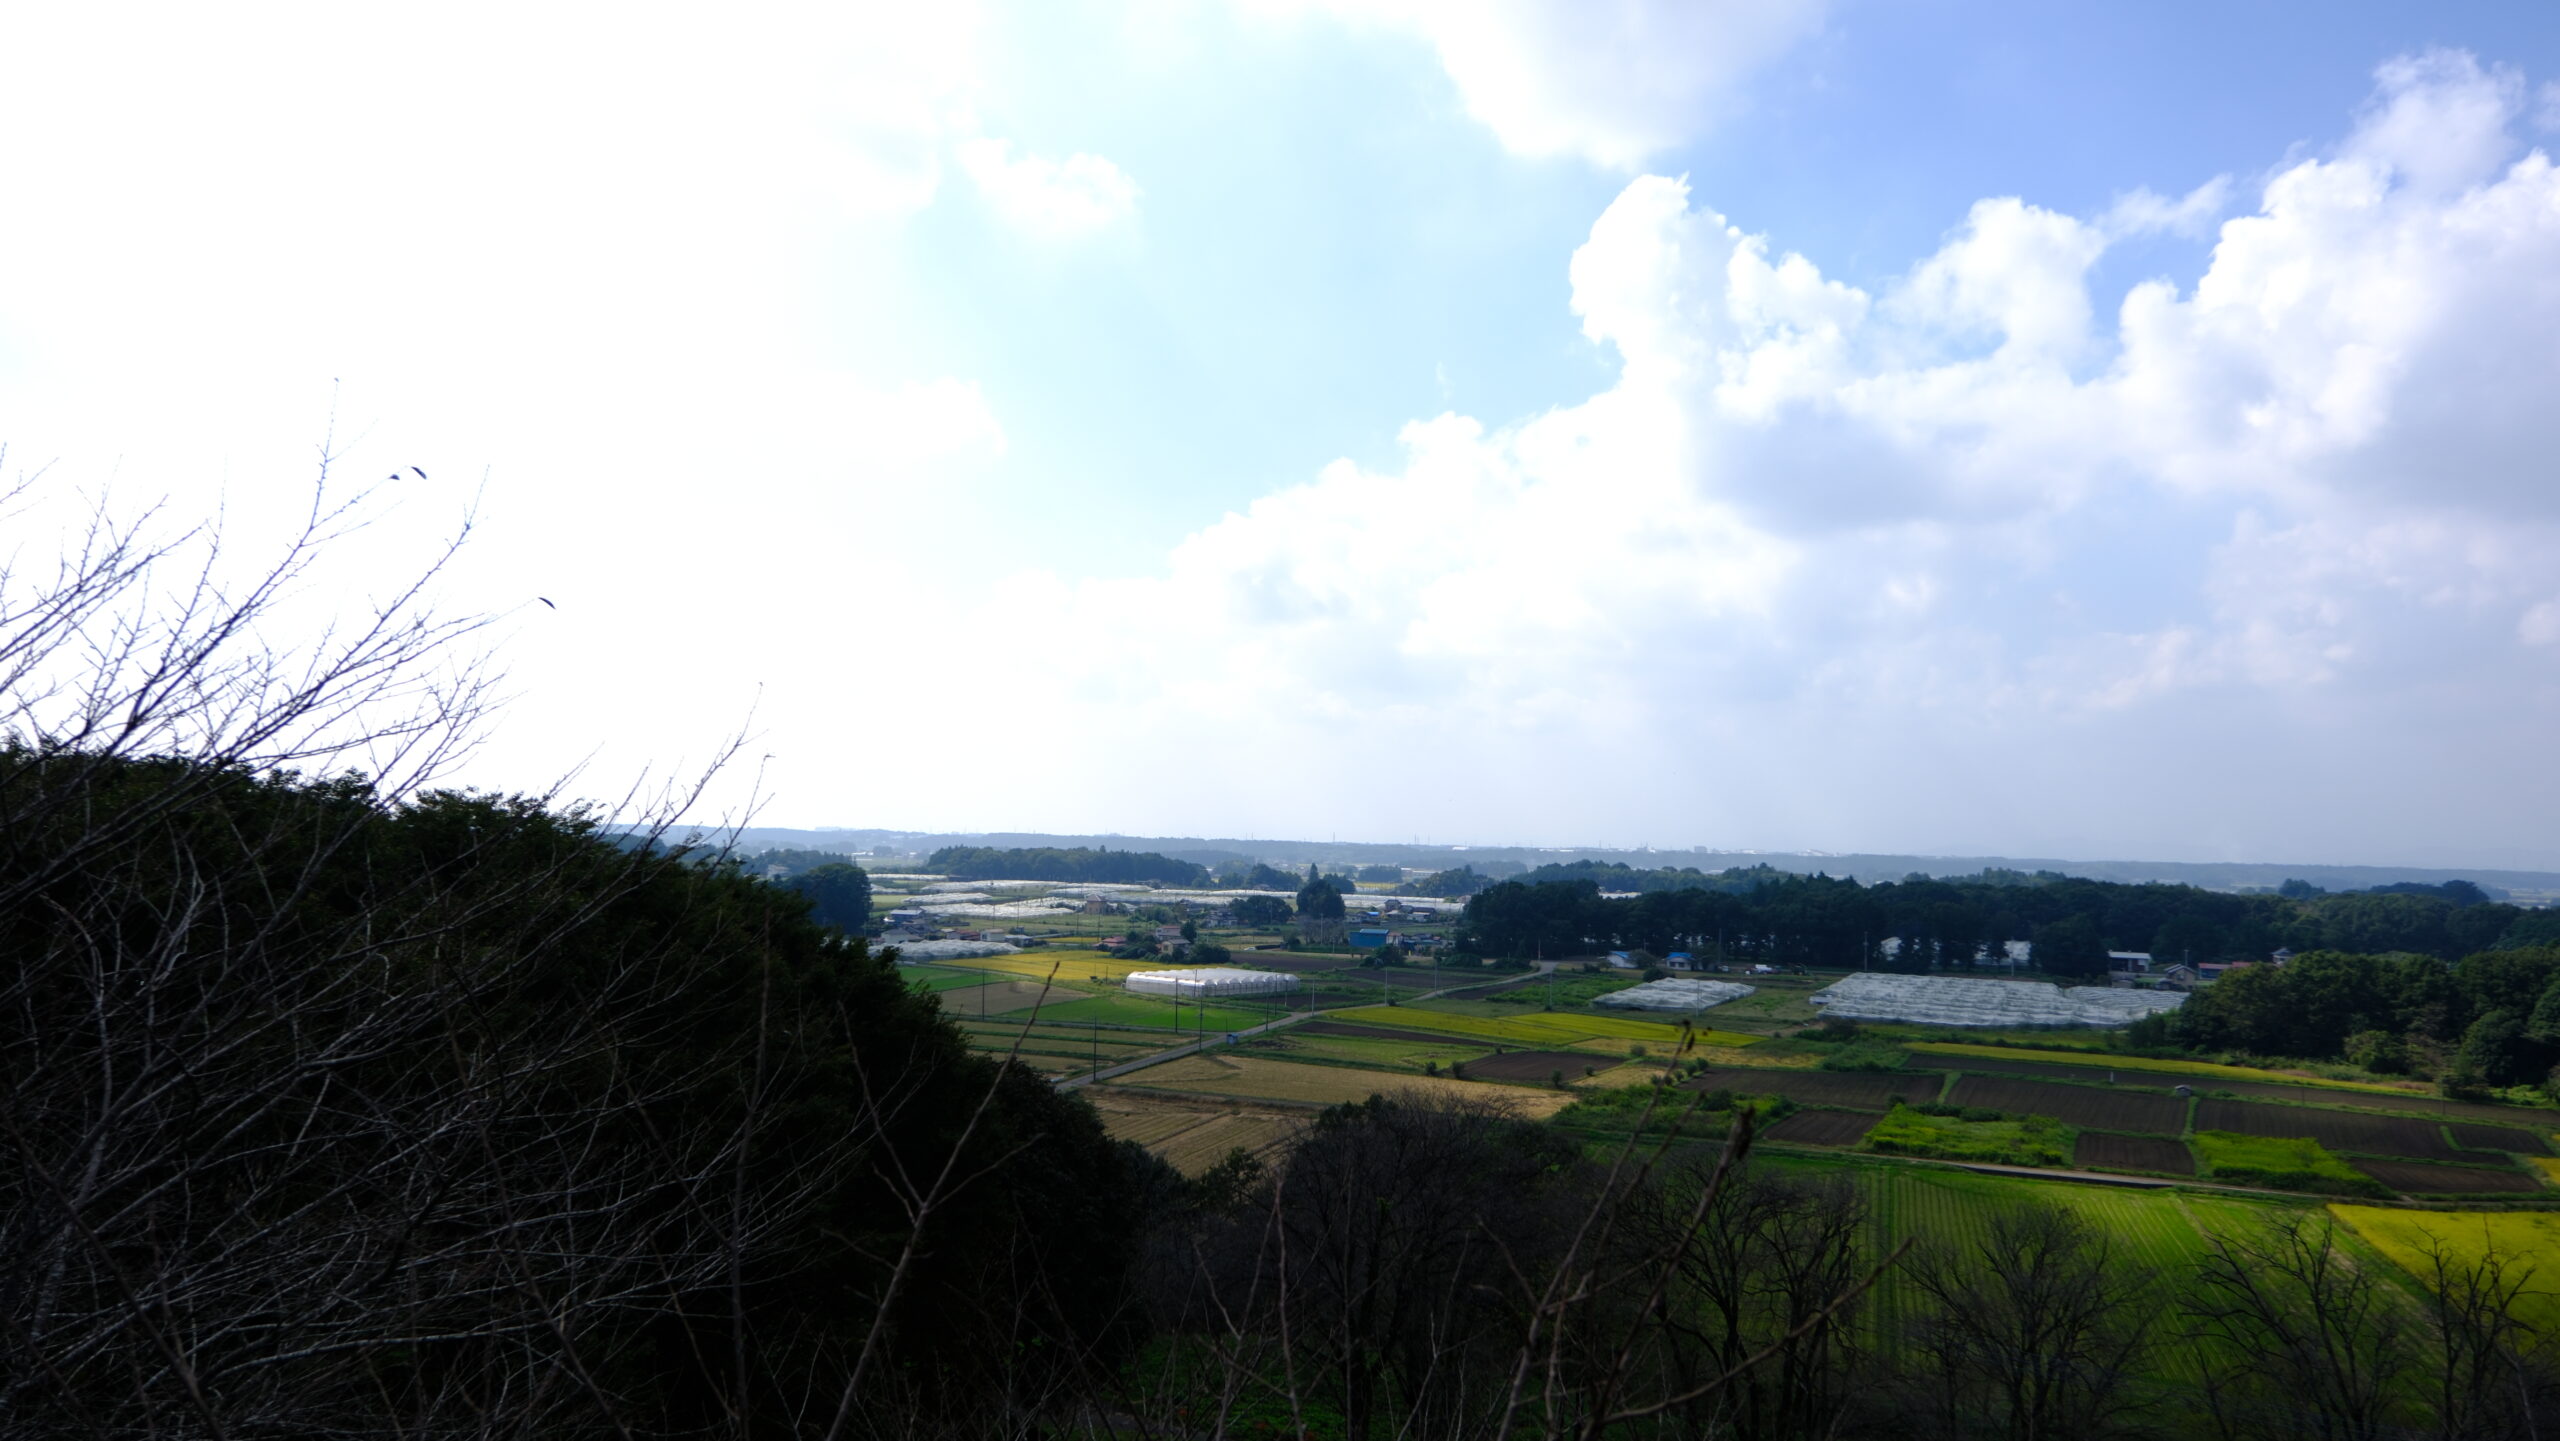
1050	863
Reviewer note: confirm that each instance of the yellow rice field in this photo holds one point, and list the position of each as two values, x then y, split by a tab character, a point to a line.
2530	1236
1260	1078
1540	1028
1091	968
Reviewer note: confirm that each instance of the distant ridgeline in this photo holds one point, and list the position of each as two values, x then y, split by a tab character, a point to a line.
1761	914
987	863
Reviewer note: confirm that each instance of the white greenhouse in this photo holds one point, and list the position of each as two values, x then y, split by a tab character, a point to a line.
1964	1001
1211	981
1676	993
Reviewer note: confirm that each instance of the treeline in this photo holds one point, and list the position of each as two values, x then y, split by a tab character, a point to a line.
327	1115
2489	1019
1045	863
1761	915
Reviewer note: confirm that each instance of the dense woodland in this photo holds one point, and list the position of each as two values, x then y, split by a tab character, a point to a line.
1775	916
1047	863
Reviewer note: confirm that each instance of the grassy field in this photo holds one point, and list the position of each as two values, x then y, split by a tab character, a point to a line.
2407	1236
939	978
1260	1078
2288	1163
1193	1135
1128	1010
2031	1141
1541	1029
2202	1069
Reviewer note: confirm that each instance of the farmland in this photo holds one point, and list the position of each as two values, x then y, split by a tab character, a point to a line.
1856	1090
2407	1237
1529	1067
2497	1138
2154	1113
1193	1135
1821	1128
2415	1178
2349	1131
2178	1069
2289	1163
2103	1151
1544	1028
2113	1070
1261	1078
2034	1141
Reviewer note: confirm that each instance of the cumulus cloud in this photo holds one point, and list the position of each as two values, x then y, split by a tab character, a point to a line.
1608	81
1972	513
1049	199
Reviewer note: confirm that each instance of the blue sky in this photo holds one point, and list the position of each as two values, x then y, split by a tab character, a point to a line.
2088	430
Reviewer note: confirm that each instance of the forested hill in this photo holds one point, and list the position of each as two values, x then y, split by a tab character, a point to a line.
1815	920
986	863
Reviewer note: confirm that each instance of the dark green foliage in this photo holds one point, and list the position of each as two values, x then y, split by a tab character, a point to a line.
988	863
1260	911
839	895
1260	878
602	1122
1463	881
1320	899
2070	947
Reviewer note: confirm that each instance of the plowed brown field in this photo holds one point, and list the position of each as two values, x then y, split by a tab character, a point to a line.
2099	1151
2104	1108
1823	1128
1866	1091
2411	1179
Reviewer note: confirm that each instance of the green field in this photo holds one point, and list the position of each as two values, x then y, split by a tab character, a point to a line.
2161	1232
2027	1141
1128	1010
939	978
2283	1162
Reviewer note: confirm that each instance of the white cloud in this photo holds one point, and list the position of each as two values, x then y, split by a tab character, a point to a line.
1610	81
2302	508
1049	199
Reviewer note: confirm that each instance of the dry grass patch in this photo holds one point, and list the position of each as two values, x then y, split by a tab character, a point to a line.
1259	1078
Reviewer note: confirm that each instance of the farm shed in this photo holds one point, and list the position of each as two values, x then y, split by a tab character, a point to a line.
1958	1001
1210	981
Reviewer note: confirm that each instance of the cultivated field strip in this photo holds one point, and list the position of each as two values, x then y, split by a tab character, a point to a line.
1337	1028
2100	1151
2358	1132
1822	1128
2406	1103
2101	1108
1196	1149
1858	1090
1531	1067
2413	1179
1258	1078
2474	1137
